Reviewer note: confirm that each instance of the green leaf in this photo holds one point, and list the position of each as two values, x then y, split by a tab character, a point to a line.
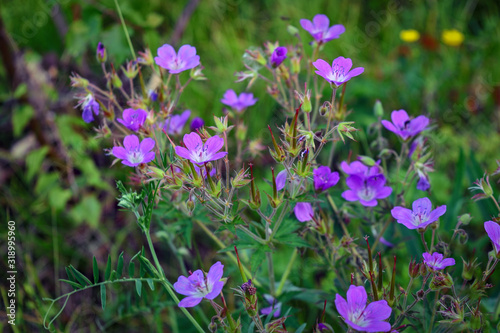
88	210
72	283
119	266
107	272
113	275
148	266
20	90
103	296
82	279
258	257
151	284
138	287
301	328
58	198
21	117
131	269
34	161
95	269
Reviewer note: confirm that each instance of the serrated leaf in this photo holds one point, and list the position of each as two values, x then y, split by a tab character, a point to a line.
119	266
107	272
258	257
138	287
82	279
72	283
95	269
103	296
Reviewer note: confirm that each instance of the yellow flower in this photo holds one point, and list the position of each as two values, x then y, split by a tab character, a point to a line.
452	37
409	36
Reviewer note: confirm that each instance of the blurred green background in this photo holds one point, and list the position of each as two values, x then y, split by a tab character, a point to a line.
55	180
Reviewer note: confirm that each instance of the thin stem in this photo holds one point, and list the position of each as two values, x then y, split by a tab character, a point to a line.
432	240
433	312
278	222
384	228
125	29
270	268
424	242
287	272
496	202
408	289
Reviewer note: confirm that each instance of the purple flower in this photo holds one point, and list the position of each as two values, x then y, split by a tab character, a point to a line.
196	123
204	171
421	216
320	28
340	71
436	262
134	153
366	190
360	316
281	180
101	52
403	126
176	63
239	103
197	286
153	95
199	153
324	178
275	306
303	211
423	183
386	242
278	56
133	119
493	231
175	123
357	168
90	107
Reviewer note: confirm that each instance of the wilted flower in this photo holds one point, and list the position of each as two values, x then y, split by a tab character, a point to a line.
278	56
175	123
132	153
436	261
303	211
403	126
421	216
197	286
196	123
320	28
199	153
90	107
275	306
239	103
366	190
452	37
176	63
324	178
409	36
493	231
339	72
133	119
360	316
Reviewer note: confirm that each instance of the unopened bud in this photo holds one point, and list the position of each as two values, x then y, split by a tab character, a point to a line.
465	219
190	205
101	53
295	61
378	110
368	161
324	110
292	30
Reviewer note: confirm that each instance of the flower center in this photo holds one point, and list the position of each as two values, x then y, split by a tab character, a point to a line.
338	73
419	217
366	193
135	156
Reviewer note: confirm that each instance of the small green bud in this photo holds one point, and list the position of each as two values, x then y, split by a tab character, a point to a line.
378	110
465	219
292	30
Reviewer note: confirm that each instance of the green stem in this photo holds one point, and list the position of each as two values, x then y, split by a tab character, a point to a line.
278	223
424	242
384	228
287	272
433	312
125	29
407	292
270	268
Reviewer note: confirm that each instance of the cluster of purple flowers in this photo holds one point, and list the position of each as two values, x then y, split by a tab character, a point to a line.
366	184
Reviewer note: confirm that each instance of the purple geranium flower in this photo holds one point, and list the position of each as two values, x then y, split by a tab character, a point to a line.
493	231
176	63
275	306
278	56
436	262
423	183
101	52
324	178
197	286
90	107
360	316
133	119
340	71
303	211
175	123
153	95
357	168
134	153
196	123
421	216
239	103
366	190
281	180
320	28
403	126
199	153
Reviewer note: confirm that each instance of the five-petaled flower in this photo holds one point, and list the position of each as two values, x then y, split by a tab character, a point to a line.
320	28
133	119
405	127
493	231
90	107
198	286
239	103
199	153
175	63
366	190
175	123
132	153
324	178
275	306
303	211
278	56
436	261
421	216
339	72
360	316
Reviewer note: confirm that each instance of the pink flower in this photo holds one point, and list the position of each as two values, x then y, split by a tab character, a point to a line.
320	28
303	211
177	62
340	71
134	153
199	153
239	103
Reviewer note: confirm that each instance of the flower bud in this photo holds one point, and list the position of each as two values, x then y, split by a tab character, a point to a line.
464	219
241	132
190	205
368	161
324	110
115	80
305	100
131	70
101	53
78	82
295	65
440	281
378	110
469	269
145	58
476	321
420	294
414	269
292	30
